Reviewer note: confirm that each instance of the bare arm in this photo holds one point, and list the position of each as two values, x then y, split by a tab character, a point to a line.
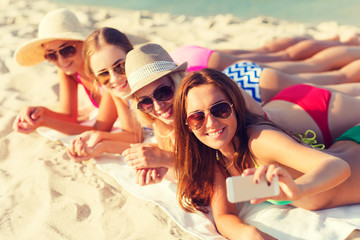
226	216
315	171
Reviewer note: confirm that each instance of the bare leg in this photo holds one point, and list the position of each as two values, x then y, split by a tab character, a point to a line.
278	44
350	73
273	81
326	60
286	49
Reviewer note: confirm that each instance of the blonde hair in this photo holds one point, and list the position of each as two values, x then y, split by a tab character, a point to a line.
99	38
147	120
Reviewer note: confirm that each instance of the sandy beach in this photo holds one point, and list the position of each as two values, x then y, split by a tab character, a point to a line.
43	193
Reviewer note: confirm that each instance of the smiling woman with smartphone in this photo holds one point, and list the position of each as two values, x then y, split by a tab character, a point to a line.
218	137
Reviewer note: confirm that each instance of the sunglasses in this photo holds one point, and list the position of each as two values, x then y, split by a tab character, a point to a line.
163	93
118	67
222	110
65	52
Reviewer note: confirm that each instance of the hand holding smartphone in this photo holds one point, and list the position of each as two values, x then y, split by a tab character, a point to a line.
242	188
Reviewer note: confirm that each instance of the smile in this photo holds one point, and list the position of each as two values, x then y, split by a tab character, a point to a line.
167	113
216	133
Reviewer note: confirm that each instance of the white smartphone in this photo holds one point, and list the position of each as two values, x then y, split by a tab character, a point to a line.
242	188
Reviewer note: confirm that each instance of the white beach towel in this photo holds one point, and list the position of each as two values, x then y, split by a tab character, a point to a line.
283	222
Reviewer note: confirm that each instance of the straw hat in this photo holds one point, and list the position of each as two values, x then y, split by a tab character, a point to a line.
147	63
60	24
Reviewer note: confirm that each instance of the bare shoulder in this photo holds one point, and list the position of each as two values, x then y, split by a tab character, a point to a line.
269	138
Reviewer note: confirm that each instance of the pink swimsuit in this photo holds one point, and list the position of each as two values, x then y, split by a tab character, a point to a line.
196	57
315	101
87	91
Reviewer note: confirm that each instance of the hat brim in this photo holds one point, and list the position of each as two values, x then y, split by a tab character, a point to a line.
153	78
32	52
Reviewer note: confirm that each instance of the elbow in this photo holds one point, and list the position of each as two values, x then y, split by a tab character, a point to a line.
346	170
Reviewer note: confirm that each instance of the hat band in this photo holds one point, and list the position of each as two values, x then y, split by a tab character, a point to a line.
149	69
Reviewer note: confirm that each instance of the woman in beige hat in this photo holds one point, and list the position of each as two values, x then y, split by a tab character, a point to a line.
153	78
60	40
104	54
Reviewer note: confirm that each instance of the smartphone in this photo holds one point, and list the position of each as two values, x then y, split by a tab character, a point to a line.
242	188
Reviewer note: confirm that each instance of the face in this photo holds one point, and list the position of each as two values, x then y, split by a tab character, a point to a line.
216	132
66	55
160	104
108	66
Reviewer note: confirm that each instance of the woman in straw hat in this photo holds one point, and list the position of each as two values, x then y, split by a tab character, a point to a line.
153	78
104	54
60	40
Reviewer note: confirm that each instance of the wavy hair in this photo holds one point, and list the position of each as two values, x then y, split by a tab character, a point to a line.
195	162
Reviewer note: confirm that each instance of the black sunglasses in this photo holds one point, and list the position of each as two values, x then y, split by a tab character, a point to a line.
221	110
118	67
163	93
66	52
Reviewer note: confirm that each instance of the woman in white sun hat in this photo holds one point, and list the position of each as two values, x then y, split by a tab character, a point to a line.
60	40
153	78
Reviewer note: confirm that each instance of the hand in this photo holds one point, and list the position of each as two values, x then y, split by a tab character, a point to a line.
85	146
29	119
146	155
148	176
289	190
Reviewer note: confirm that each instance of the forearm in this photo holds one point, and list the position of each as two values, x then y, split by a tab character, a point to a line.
109	146
54	121
323	178
233	227
125	136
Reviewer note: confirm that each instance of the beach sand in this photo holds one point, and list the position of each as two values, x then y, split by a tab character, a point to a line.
44	194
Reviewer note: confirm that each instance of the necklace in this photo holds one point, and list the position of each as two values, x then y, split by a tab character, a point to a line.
222	162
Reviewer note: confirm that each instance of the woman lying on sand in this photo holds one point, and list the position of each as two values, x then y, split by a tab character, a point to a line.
264	82
60	41
284	49
218	136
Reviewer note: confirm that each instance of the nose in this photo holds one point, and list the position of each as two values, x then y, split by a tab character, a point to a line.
210	121
60	59
157	104
114	77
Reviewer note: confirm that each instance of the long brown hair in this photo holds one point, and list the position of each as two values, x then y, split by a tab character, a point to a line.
195	162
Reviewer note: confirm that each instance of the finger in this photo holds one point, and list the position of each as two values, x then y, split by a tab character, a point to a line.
128	152
16	122
78	158
131	156
271	171
257	201
34	114
248	171
260	171
157	177
28	118
149	179
134	145
142	177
